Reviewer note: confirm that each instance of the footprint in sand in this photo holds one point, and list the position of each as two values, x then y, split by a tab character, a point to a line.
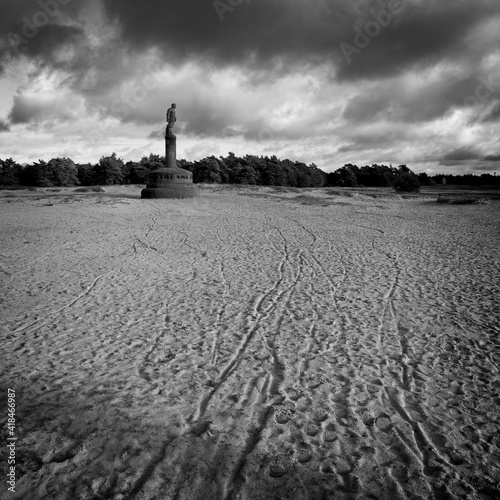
283	416
315	382
342	467
278	468
303	404
364	402
319	415
372	389
456	458
367	418
330	434
327	468
470	434
313	465
199	428
304	455
464	490
311	430
383	423
292	393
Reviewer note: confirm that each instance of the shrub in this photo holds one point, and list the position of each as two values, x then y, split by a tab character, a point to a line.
58	172
85	173
108	170
407	183
63	172
10	172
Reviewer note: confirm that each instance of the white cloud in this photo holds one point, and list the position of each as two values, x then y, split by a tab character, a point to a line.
102	81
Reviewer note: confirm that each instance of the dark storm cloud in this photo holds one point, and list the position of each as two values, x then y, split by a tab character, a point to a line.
461	154
418	35
44	46
254	31
267	37
362	141
495	158
15	15
4	126
33	29
275	35
425	102
470	158
493	114
261	32
32	109
234	66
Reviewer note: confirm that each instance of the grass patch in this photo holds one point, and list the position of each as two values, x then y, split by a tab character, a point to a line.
459	201
89	190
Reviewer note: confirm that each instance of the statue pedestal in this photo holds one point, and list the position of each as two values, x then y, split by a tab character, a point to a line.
170	181
170	151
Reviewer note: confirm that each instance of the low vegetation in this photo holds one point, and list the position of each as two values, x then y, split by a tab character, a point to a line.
459	201
250	170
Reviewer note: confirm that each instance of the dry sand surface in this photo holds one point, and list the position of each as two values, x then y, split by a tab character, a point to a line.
253	343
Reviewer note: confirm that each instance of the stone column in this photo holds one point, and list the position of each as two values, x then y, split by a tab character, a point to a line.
170	151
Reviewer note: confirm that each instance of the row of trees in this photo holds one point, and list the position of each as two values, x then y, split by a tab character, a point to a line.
64	172
467	180
261	170
250	169
400	178
112	170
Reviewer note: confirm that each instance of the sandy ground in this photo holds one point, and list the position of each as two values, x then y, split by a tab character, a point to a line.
250	344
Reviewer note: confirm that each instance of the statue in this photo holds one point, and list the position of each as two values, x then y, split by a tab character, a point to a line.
171	119
170	181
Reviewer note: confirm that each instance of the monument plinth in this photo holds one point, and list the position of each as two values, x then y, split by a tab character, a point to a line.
170	181
170	151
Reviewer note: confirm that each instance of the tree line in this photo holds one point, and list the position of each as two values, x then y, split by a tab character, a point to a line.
250	169
388	176
400	178
112	170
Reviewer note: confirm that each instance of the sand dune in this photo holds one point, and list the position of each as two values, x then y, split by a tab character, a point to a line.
251	344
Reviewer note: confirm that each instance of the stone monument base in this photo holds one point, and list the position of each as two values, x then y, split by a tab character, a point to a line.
170	182
173	191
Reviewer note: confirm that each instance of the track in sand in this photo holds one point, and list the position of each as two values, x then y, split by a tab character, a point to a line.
238	347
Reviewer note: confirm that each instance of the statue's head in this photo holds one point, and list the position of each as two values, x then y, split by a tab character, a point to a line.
173	105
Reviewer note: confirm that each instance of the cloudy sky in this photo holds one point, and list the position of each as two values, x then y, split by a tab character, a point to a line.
323	81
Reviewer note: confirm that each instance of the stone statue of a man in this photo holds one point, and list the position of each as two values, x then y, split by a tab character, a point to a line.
171	119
